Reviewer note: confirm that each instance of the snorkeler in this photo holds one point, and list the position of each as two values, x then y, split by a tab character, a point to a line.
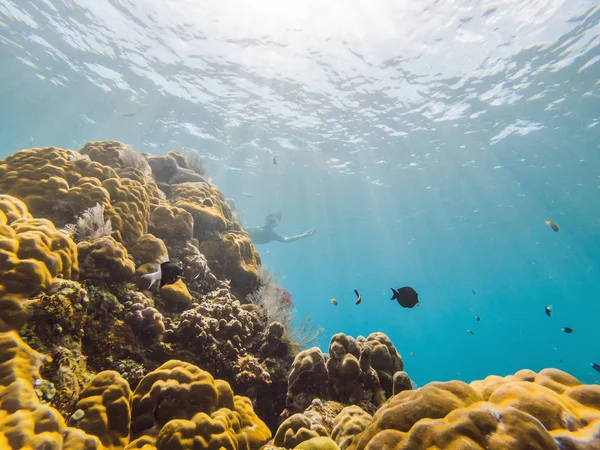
266	233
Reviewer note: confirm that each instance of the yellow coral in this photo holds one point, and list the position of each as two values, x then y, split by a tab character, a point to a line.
59	184
105	403
32	252
175	390
351	421
170	221
225	429
297	429
207	206
192	410
233	256
24	421
318	443
522	411
149	249
176	293
105	259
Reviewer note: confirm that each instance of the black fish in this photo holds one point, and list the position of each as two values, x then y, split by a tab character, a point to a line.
478	318
548	310
274	160
167	273
568	330
596	367
406	296
131	114
358	297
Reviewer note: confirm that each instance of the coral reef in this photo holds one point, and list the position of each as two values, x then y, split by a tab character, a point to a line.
92	358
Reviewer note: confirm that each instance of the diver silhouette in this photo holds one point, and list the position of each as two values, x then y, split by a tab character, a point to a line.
266	233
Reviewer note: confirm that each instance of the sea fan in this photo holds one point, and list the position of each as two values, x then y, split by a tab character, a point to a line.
271	298
306	333
91	225
130	157
194	161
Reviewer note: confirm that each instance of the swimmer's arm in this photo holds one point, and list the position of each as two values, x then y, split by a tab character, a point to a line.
295	238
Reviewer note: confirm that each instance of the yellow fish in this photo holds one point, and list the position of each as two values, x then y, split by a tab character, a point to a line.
470	331
334	302
553	225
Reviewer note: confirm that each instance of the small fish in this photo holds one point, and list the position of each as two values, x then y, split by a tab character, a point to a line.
553	225
473	291
31	140
274	160
129	114
477	318
168	273
548	310
470	331
568	330
247	195
334	302
406	296
412	354
596	367
560	360
358	297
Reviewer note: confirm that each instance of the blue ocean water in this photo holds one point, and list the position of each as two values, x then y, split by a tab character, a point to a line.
426	142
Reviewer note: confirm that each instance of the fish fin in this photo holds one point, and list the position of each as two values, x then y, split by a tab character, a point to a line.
356	292
395	293
154	277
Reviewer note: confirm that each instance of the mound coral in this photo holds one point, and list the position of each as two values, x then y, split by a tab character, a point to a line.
59	185
347	375
495	413
33	254
180	401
